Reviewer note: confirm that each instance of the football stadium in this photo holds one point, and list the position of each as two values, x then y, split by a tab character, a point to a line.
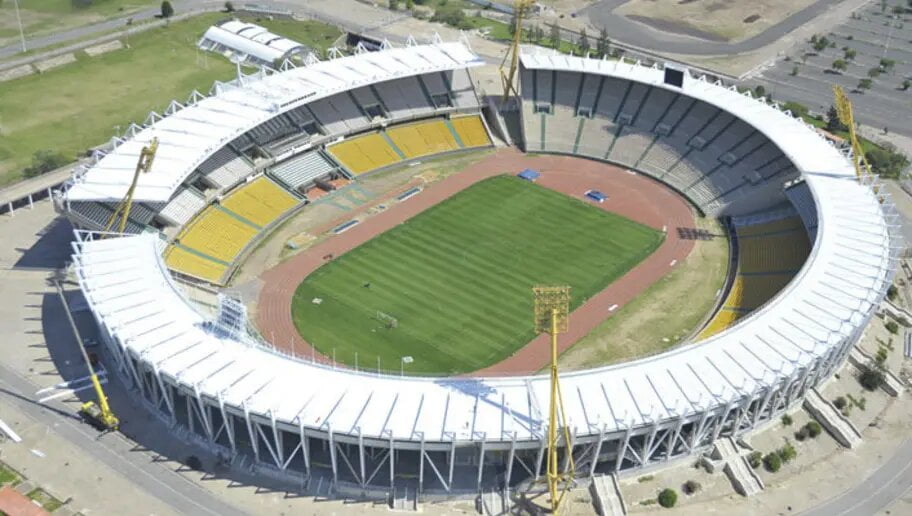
395	356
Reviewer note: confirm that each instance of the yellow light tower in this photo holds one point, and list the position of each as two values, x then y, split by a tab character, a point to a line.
552	311
844	112
508	78
143	165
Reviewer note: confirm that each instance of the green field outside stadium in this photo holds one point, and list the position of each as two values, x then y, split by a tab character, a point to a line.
451	287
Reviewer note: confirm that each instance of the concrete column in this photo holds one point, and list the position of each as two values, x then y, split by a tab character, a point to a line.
596	451
392	464
332	456
481	454
305	448
421	465
452	463
510	457
361	457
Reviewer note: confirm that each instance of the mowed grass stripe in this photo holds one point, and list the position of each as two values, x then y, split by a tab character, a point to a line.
458	277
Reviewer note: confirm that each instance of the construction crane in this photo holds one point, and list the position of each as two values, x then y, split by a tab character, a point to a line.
98	414
552	312
845	115
143	165
508	78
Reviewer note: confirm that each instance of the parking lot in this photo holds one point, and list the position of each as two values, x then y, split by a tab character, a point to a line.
807	74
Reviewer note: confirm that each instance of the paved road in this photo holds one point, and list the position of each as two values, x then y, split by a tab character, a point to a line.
889	482
641	35
114	451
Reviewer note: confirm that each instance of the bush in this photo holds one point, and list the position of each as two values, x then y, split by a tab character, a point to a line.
840	402
892	292
886	162
44	161
802	433
755	459
892	327
451	15
787	453
668	498
691	486
772	462
167	10
813	428
786	419
871	378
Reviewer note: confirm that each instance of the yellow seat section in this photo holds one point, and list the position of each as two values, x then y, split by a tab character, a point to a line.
364	153
471	131
774	253
217	234
260	201
423	138
193	265
757	290
723	320
775	226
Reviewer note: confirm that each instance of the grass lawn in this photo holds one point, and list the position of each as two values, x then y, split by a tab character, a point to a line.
42	17
8	475
47	502
80	105
458	277
666	313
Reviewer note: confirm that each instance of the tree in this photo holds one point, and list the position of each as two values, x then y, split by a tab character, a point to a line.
887	65
554	36
834	124
813	429
906	84
394	5
865	84
892	327
691	486
850	53
583	42
839	65
886	163
759	91
44	161
871	378
229	7
755	459
167	10
820	43
874	72
840	402
772	462
603	45
786	419
794	71
787	453
668	498
409	4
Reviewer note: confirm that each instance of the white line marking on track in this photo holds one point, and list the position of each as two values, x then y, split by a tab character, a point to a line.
612	308
673	262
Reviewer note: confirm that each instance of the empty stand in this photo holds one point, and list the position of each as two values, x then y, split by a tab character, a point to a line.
423	138
225	168
192	264
364	153
216	234
302	169
471	131
183	206
260	201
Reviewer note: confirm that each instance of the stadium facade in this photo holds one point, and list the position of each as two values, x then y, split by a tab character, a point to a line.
374	433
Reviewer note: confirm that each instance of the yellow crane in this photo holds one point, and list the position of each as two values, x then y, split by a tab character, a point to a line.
552	312
508	77
143	165
100	414
844	112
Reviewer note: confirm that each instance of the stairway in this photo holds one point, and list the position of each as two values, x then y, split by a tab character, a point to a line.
606	493
836	424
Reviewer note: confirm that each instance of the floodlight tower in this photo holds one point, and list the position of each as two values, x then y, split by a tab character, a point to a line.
552	311
508	77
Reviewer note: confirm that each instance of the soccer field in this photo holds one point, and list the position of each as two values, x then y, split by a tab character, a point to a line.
457	278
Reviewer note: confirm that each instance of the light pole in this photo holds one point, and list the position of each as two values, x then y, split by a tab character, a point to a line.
19	20
402	362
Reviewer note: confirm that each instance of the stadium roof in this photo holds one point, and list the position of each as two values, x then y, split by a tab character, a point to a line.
191	133
248	39
129	287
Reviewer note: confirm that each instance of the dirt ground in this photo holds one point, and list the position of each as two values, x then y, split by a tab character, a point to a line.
731	20
630	195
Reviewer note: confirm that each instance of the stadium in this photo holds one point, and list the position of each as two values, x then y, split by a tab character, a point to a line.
815	250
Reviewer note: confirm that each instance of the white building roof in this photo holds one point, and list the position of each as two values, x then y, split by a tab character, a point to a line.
191	133
821	306
251	39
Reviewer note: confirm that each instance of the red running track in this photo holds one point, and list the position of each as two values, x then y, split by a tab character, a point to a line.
630	195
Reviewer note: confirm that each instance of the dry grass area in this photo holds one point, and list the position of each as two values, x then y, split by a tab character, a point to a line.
665	314
723	20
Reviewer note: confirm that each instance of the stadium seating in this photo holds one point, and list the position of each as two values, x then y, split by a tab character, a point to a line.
769	255
183	206
260	201
225	168
471	131
192	264
364	153
302	169
217	234
423	138
96	215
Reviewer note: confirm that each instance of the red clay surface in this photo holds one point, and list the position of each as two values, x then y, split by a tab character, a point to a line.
17	504
630	195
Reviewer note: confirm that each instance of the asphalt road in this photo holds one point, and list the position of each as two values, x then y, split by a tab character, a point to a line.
115	451
641	35
889	482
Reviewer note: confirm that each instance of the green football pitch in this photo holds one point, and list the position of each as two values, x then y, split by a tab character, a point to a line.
452	287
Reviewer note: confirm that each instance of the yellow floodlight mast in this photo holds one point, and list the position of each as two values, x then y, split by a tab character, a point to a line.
552	311
143	165
508	78
846	116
